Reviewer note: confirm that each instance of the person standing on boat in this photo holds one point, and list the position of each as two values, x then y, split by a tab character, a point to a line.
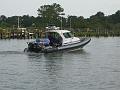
55	39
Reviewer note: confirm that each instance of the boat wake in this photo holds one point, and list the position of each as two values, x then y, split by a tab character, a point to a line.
11	52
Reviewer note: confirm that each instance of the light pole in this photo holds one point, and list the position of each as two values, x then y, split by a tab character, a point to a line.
61	19
18	22
70	23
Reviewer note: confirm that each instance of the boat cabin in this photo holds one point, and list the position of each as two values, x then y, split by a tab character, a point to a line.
61	37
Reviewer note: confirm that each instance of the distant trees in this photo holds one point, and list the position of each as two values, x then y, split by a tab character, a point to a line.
50	14
3	19
50	11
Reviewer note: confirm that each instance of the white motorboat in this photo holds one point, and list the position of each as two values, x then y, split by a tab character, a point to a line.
57	40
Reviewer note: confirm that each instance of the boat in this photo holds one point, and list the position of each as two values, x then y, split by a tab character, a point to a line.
57	40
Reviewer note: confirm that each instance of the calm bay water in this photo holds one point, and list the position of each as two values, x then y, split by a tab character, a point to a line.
95	67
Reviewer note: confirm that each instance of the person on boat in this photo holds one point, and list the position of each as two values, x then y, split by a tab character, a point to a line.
43	41
55	39
51	38
59	40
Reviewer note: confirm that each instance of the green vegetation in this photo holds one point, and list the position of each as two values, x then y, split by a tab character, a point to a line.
95	25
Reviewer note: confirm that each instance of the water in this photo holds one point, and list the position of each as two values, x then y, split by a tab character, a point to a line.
95	67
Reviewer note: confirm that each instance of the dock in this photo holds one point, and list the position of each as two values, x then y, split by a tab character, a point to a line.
21	33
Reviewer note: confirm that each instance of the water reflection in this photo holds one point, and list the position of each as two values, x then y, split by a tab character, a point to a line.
79	51
11	52
51	66
51	62
56	57
34	55
53	56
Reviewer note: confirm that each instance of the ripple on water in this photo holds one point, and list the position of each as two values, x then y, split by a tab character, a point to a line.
95	67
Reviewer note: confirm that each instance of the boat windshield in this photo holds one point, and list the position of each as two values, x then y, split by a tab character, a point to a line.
67	34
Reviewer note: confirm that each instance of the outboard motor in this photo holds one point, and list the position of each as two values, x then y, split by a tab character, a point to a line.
38	45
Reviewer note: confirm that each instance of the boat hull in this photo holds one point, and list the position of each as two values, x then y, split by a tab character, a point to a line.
68	47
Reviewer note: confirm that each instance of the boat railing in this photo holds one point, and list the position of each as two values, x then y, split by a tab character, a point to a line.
52	28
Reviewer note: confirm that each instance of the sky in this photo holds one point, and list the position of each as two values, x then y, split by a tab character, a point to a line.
84	8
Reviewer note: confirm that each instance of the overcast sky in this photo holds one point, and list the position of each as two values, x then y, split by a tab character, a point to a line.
84	8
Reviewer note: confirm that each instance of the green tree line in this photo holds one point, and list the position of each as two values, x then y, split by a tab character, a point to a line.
53	14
